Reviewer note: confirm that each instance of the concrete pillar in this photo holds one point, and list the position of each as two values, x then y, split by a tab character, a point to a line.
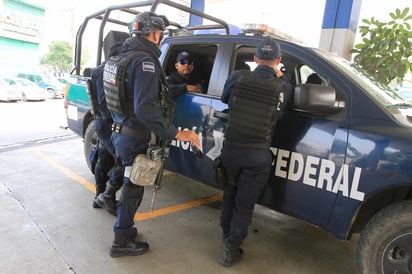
340	21
200	6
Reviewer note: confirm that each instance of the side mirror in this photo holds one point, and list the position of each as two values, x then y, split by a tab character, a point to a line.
316	99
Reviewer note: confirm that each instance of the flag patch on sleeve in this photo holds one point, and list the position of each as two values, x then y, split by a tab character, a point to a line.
148	66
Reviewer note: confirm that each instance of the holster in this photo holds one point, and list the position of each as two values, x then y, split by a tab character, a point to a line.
220	171
144	170
146	167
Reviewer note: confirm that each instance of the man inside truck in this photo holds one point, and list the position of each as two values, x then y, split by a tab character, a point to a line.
182	79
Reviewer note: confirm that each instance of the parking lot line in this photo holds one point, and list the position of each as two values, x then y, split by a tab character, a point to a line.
139	216
65	170
175	208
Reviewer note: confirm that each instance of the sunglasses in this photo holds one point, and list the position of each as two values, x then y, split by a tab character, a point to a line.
186	62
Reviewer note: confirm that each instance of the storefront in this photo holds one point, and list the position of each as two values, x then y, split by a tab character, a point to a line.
21	27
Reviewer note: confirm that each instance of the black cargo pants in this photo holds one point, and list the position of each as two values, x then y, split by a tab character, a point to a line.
248	170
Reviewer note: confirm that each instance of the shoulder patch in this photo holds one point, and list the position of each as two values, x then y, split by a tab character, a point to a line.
148	66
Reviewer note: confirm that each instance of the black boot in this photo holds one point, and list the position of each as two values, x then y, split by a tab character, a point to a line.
231	254
99	190
124	246
106	200
133	235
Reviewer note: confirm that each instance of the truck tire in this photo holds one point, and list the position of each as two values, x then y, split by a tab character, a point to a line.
385	244
90	141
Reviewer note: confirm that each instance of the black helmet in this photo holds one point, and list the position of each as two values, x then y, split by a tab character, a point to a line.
148	21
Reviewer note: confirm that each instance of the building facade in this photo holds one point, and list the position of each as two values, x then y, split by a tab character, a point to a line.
21	32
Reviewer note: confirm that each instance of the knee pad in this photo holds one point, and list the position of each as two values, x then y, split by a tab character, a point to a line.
132	195
116	177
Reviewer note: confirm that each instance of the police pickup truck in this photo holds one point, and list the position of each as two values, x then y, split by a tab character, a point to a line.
342	151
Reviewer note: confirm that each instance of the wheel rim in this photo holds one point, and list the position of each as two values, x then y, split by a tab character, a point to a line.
397	256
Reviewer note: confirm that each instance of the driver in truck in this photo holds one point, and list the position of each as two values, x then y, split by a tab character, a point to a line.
182	79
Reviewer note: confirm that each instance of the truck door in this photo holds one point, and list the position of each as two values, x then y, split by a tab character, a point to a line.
309	150
309	170
192	110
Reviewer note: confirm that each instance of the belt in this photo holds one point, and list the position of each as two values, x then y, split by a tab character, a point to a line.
128	131
245	145
107	120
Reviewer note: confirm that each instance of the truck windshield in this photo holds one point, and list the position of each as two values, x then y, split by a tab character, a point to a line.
383	94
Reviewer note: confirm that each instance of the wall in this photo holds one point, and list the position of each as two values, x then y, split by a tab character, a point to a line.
21	25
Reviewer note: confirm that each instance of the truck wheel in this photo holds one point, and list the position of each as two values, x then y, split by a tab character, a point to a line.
90	141
385	244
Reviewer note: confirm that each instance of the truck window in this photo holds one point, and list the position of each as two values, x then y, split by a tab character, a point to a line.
244	58
203	56
310	76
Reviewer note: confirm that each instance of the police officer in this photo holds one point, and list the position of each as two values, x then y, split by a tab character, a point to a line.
106	153
246	156
102	125
137	110
182	79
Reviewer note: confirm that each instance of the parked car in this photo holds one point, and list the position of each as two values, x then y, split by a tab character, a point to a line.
7	92
28	90
62	80
51	80
405	90
54	88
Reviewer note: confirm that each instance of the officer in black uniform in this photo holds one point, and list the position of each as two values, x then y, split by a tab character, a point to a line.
139	110
106	153
103	127
247	158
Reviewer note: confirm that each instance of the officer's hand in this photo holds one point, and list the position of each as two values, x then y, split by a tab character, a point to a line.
194	88
188	135
278	72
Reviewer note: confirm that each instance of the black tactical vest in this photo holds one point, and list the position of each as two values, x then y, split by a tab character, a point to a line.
254	106
114	83
114	77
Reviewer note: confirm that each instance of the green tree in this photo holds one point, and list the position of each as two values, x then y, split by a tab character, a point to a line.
386	48
59	57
